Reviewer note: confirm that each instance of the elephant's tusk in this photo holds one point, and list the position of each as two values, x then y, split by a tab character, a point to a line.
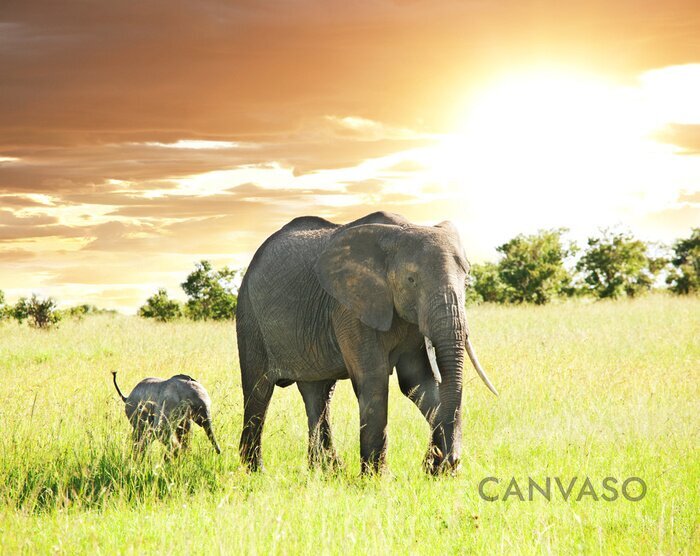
430	349
477	366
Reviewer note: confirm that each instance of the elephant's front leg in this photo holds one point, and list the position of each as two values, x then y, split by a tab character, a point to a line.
418	384
368	367
317	398
373	395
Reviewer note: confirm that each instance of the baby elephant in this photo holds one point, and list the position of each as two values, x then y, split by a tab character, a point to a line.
165	409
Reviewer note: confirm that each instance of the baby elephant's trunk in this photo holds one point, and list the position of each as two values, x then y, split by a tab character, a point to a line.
206	425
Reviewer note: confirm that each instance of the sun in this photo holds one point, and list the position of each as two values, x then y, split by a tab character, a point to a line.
552	123
533	138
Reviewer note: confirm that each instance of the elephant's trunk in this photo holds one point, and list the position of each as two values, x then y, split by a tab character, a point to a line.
446	327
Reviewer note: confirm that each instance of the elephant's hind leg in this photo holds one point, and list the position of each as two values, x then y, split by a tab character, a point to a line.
141	437
182	434
256	398
257	386
317	398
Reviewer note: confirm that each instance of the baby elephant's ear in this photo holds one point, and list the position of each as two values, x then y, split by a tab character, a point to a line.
352	269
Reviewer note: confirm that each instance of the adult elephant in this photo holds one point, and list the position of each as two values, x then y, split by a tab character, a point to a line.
322	302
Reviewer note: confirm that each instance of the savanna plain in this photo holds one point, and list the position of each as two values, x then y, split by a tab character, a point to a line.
604	389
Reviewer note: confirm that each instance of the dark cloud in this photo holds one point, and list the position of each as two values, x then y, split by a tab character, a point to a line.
84	72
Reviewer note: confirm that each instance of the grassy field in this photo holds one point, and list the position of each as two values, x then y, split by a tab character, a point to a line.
587	390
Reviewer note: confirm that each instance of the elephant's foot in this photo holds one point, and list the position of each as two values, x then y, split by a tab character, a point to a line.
436	464
325	459
251	459
253	465
373	466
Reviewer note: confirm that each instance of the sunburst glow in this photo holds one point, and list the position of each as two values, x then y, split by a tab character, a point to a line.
533	137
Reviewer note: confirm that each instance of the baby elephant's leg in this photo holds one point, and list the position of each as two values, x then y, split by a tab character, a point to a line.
182	433
141	437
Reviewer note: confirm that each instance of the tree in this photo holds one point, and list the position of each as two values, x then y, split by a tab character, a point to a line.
485	284
160	307
78	312
616	264
211	293
532	268
41	313
685	276
4	309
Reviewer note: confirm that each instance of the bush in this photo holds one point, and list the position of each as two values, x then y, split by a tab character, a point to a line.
160	307
532	269
685	276
41	313
485	284
79	312
4	309
616	264
212	293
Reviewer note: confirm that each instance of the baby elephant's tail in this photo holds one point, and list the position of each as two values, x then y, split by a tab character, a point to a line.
114	377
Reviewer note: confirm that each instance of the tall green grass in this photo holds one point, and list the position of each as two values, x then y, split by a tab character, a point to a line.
597	390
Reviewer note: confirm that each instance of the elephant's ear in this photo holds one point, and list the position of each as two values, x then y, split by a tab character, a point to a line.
452	231
449	227
352	269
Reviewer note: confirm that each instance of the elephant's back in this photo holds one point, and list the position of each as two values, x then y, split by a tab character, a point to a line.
292	249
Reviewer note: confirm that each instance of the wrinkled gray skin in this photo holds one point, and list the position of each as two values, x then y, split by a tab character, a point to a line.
165	409
322	302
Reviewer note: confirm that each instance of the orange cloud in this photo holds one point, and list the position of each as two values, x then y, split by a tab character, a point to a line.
160	133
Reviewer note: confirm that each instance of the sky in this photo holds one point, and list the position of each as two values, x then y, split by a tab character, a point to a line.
137	138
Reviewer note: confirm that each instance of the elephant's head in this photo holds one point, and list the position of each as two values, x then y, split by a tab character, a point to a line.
419	273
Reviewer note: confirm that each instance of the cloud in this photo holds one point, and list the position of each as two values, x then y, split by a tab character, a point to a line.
15	255
20	201
693	198
686	137
135	140
671	223
82	72
14	227
10	219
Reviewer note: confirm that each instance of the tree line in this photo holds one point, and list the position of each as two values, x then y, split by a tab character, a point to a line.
534	268
540	267
211	295
43	312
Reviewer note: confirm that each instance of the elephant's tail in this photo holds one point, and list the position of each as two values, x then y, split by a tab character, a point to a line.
114	377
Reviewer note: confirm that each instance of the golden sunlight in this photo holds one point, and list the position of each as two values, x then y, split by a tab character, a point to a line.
533	139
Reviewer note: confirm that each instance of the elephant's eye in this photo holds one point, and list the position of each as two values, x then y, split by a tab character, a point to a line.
411	279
